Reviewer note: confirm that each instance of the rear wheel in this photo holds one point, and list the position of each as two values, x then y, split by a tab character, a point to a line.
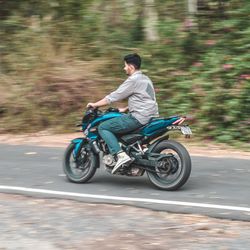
83	168
174	170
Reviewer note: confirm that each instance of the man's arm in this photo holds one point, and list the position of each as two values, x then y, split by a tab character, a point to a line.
102	102
124	91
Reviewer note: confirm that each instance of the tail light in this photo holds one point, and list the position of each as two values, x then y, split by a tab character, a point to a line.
179	121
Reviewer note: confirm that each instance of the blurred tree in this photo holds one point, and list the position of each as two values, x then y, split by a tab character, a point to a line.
150	21
197	52
192	12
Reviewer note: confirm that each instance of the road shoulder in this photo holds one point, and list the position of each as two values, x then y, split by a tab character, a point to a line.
47	139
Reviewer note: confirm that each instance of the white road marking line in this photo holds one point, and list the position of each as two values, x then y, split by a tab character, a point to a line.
120	198
62	175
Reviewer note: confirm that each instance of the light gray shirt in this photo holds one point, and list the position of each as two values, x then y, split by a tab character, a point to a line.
139	90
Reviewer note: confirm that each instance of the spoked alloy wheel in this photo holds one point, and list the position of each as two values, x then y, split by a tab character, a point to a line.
83	168
174	170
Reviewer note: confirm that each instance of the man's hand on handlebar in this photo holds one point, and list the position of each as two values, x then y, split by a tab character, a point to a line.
91	105
100	103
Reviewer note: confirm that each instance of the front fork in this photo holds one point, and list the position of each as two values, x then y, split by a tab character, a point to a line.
80	142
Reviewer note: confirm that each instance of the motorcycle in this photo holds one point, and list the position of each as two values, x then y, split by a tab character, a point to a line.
166	162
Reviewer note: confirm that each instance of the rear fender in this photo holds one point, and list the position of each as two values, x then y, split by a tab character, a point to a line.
154	144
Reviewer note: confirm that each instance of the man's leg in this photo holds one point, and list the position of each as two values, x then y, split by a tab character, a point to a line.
108	136
118	125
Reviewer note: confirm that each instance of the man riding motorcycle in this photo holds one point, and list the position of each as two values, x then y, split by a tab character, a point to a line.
142	106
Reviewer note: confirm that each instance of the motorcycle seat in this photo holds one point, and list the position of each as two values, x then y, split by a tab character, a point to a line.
154	120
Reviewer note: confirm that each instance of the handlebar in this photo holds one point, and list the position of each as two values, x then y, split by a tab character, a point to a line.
91	108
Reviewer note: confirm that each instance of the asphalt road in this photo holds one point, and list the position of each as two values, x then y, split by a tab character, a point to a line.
218	187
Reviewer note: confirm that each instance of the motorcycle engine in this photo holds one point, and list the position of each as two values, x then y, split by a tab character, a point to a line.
109	160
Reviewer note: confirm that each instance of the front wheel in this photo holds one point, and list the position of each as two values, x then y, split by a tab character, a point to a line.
174	170
83	168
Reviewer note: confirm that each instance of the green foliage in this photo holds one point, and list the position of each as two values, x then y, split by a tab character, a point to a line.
201	69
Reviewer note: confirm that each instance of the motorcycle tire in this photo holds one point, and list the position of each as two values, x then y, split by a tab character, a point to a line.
82	169
182	162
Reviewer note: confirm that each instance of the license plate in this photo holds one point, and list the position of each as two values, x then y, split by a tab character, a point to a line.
186	130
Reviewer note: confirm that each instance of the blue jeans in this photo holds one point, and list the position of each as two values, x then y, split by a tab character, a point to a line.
116	126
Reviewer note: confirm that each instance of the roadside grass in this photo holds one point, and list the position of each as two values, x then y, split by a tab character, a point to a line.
52	94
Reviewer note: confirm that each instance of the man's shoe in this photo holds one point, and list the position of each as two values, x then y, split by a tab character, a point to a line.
122	159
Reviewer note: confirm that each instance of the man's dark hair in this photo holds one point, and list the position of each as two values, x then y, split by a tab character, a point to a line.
133	59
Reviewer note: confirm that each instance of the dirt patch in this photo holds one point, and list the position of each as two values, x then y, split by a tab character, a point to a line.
28	223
